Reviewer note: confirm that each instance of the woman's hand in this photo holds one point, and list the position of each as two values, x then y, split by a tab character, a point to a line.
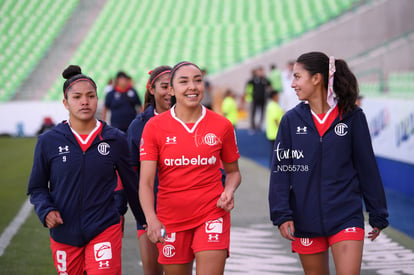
374	233
287	230
53	219
226	201
154	231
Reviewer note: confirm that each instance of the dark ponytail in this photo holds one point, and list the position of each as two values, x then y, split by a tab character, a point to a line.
72	74
154	74
345	83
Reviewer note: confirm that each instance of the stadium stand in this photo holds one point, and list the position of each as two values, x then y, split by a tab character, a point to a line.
214	34
27	29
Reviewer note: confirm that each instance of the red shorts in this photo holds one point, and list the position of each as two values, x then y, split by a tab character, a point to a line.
180	247
140	232
320	244
102	255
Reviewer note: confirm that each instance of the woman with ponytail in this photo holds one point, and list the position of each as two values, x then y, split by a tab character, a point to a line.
73	184
157	101
184	147
323	164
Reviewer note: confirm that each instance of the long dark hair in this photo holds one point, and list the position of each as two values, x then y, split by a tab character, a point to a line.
345	83
149	98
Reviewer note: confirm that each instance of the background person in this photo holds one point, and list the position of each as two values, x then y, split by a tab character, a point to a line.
186	144
123	102
157	101
72	183
323	163
274	115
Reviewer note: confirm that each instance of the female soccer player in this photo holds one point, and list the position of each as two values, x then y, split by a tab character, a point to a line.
187	144
323	163
157	101
72	183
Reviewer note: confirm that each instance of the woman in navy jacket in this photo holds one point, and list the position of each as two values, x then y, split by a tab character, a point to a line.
157	100
323	165
73	184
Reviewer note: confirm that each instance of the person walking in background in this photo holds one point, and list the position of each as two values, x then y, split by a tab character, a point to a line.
229	107
73	183
323	163
123	103
275	77
260	86
186	144
157	101
274	115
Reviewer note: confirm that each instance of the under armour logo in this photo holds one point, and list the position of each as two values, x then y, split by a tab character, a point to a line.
213	237
171	140
63	149
103	264
301	130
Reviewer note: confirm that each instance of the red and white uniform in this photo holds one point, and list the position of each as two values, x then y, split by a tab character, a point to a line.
188	158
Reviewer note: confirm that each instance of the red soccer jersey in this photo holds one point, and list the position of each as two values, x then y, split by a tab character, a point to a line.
324	121
188	159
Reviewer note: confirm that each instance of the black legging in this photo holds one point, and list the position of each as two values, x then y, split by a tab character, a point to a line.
255	105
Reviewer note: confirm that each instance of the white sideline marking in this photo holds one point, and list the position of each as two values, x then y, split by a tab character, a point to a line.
14	226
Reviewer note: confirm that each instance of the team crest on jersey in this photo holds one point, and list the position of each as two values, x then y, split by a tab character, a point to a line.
211	139
341	129
103	148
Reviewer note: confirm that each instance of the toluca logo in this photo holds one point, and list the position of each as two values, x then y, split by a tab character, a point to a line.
211	139
103	148
341	129
183	161
306	241
168	250
282	153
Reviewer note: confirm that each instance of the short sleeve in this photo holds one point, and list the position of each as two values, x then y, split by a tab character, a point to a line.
230	151
149	149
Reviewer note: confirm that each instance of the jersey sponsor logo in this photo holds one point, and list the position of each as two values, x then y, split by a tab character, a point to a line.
63	149
211	139
306	241
103	148
341	129
301	130
102	251
282	153
214	226
183	161
170	238
171	140
168	251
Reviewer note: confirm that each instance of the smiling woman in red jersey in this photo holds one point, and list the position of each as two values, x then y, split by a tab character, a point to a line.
187	144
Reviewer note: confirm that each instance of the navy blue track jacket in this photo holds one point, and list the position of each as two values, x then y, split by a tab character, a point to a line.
319	182
80	185
134	134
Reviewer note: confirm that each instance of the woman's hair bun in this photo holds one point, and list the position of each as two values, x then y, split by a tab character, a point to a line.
71	71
